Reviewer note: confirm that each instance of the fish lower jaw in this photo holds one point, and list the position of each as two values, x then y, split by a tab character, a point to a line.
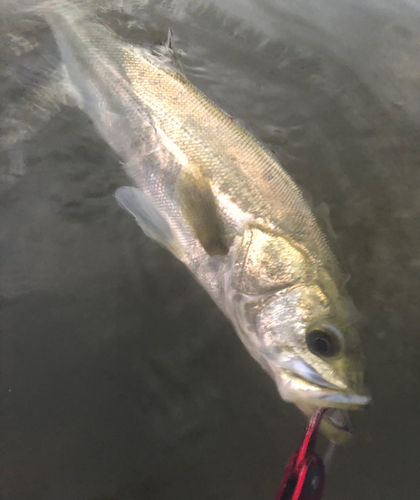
336	424
339	400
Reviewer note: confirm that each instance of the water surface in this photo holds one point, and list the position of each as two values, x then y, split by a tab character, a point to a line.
120	378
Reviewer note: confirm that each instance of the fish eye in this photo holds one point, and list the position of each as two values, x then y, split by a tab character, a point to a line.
323	342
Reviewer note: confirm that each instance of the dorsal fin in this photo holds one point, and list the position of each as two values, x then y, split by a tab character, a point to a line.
169	40
166	54
322	214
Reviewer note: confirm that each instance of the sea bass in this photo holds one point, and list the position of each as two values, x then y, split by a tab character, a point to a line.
214	196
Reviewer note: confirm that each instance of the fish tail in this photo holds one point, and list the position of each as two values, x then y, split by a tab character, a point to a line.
40	73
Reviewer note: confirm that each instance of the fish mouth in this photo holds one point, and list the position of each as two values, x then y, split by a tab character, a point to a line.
340	419
301	384
336	424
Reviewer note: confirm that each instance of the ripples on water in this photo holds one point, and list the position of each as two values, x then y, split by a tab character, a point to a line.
121	379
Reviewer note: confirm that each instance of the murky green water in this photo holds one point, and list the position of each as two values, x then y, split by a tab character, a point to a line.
120	378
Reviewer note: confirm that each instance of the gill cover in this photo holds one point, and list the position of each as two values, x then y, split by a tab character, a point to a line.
266	262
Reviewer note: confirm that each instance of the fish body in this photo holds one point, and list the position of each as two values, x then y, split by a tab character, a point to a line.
213	195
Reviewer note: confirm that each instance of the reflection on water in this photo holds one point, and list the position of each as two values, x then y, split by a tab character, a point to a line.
120	377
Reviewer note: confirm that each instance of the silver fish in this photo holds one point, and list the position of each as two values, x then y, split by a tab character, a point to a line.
214	196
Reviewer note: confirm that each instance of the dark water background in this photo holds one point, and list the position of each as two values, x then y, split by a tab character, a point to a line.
120	378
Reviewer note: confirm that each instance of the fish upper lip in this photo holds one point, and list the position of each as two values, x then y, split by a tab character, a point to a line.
329	395
299	367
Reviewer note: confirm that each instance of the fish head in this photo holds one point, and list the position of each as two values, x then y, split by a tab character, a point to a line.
312	351
304	335
318	361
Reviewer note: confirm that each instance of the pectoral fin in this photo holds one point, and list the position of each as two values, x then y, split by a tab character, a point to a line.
148	218
199	208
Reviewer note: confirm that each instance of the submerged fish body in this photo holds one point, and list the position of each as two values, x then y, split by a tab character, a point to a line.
207	190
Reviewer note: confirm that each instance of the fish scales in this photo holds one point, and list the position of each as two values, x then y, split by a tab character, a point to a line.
239	165
207	190
158	100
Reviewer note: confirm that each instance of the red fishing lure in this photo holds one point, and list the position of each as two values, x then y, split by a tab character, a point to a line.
304	477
